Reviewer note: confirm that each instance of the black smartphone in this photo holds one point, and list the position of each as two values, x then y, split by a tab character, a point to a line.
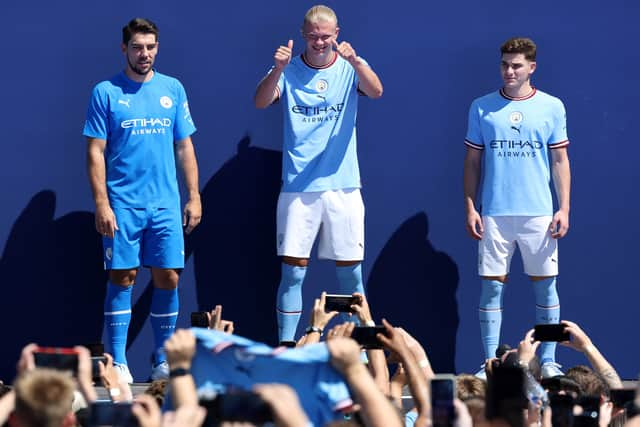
341	303
621	396
561	409
237	405
443	391
366	336
95	367
96	349
505	395
199	319
551	332
112	414
60	358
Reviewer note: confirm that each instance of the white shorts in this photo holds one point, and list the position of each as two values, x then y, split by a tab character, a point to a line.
538	249
337	214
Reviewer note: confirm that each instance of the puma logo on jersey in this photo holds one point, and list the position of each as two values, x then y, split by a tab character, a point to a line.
123	102
517	129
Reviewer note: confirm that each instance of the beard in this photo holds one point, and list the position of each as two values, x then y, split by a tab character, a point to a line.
136	69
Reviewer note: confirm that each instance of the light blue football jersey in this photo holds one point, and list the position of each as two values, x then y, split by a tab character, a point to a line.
320	108
516	136
224	361
140	122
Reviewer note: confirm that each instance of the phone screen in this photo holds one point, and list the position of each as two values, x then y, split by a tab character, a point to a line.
551	332
199	319
366	336
443	390
340	303
112	414
238	405
63	359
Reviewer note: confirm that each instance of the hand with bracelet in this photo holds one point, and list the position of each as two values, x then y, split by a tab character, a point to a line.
319	320
180	349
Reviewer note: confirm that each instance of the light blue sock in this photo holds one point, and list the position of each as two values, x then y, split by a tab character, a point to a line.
289	301
117	316
490	313
164	314
547	311
350	281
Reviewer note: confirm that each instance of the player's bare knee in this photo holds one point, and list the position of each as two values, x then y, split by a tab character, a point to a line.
123	277
501	279
346	263
296	262
539	278
165	278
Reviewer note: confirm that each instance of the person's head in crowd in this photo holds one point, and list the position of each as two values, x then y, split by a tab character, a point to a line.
469	386
43	399
476	407
157	390
590	382
562	385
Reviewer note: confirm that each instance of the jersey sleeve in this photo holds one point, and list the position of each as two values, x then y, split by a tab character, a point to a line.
474	132
184	123
559	137
96	123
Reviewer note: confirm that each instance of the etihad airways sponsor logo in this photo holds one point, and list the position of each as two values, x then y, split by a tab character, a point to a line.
147	126
315	110
515	148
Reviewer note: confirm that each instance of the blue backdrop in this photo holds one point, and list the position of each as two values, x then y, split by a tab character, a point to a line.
433	59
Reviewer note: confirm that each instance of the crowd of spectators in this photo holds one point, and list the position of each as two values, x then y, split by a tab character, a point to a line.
328	379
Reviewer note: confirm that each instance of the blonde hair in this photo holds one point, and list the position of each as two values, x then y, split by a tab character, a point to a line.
320	13
43	397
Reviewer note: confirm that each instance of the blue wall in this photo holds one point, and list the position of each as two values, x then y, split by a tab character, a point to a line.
433	59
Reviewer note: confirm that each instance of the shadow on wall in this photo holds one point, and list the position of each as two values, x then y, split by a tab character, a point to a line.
53	281
234	250
416	285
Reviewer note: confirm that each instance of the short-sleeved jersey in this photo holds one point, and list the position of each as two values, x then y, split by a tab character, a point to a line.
516	135
140	122
224	361
320	109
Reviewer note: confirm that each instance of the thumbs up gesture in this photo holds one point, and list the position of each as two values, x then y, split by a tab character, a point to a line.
282	57
345	50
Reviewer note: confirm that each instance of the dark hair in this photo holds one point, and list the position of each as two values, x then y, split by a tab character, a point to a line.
138	25
522	45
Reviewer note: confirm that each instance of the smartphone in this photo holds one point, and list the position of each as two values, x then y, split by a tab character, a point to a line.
95	367
621	396
237	405
63	359
341	303
561	409
96	349
551	332
112	414
505	395
443	391
366	336
199	319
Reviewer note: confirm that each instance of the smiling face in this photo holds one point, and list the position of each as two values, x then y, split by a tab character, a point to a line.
319	36
140	53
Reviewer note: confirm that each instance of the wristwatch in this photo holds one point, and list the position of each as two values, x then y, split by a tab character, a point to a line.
179	372
312	329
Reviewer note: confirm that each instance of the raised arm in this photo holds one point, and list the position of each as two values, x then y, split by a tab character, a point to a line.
267	92
369	83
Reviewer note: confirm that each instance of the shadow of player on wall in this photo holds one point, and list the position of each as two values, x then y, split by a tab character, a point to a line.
414	286
52	281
